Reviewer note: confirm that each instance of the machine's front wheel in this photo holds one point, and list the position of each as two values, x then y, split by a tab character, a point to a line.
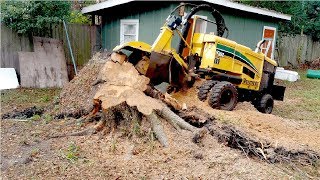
265	104
223	95
205	88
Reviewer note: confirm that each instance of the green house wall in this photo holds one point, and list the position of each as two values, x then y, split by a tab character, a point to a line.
244	28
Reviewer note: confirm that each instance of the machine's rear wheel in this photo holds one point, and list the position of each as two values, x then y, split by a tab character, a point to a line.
265	104
223	95
205	88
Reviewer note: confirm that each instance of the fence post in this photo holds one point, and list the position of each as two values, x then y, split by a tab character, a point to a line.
69	45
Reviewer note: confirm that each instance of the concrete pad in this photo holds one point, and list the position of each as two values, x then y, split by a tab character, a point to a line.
8	78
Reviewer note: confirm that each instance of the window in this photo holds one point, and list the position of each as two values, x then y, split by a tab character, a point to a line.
129	30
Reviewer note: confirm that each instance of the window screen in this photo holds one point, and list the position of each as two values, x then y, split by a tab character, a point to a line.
129	29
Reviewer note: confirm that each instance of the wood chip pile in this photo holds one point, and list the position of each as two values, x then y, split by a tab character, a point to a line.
77	95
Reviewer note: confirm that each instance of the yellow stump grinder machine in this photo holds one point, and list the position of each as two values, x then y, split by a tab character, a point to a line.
232	72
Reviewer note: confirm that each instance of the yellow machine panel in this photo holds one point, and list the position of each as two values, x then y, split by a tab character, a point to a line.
163	42
231	58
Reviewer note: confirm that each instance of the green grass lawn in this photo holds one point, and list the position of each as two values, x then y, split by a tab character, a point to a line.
26	97
302	99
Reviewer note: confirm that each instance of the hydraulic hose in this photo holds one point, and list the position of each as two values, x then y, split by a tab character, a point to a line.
221	27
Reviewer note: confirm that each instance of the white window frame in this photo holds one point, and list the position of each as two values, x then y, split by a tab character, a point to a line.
128	21
274	38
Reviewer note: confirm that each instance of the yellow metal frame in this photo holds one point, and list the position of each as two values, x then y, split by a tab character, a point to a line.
226	55
162	45
134	44
217	54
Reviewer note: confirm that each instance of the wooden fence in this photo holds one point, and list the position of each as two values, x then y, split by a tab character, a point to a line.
83	39
298	49
11	44
83	42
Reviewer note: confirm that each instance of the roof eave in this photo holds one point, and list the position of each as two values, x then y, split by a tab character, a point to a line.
251	9
103	5
225	3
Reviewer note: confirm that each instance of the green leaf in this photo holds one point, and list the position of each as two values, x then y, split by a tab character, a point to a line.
31	16
305	15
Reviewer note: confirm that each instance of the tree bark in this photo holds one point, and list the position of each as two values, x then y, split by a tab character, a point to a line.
158	129
166	113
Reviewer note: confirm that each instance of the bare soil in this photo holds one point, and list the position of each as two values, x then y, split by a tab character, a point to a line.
28	153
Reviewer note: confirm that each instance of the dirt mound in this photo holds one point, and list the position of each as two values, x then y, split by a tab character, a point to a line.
274	129
315	64
76	96
121	91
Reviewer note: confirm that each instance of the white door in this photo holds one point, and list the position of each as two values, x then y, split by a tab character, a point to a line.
269	35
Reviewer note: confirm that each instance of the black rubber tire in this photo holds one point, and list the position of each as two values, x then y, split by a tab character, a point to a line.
256	102
223	95
265	104
205	88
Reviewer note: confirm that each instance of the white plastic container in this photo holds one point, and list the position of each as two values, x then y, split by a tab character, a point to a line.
287	75
8	78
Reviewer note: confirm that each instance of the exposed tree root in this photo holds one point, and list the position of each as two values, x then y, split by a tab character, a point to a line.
165	98
195	116
89	131
158	129
121	113
125	96
166	113
236	139
76	114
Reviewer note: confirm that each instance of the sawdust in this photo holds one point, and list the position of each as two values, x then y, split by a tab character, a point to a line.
76	96
279	131
139	156
190	98
121	157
